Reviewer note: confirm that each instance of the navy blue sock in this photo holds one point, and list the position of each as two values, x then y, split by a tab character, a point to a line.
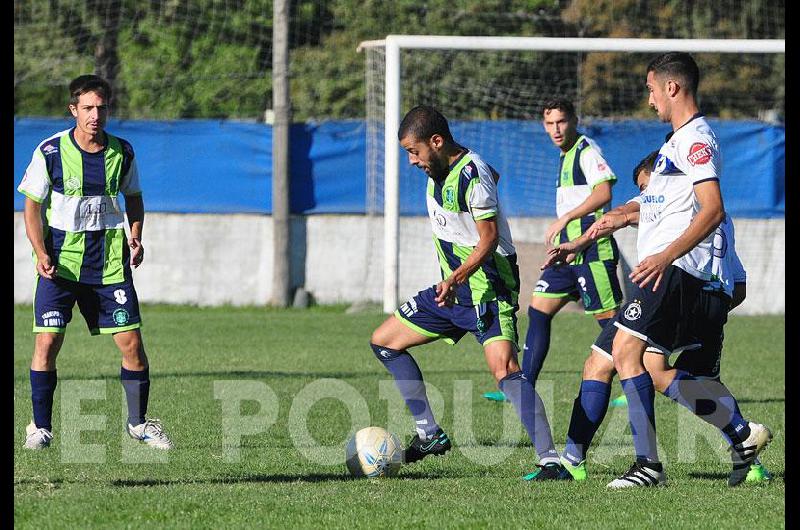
537	343
729	402
641	413
43	386
408	379
588	411
712	402
603	322
137	392
530	409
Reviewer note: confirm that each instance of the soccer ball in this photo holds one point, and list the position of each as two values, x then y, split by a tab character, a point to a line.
374	452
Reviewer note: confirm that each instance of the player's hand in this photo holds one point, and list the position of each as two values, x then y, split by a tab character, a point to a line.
553	231
45	267
606	224
445	293
137	252
651	268
560	255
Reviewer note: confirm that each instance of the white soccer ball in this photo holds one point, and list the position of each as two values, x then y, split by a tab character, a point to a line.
374	452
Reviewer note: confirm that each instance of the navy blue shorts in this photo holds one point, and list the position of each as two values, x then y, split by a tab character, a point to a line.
106	308
708	320
662	318
594	283
489	322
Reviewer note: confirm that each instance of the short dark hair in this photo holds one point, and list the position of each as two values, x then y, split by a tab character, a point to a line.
646	164
88	83
562	104
422	122
677	64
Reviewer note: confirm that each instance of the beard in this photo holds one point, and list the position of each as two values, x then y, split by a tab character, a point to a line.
439	169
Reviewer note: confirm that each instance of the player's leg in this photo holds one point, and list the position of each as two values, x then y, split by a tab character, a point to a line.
114	309
502	361
651	319
628	351
555	288
591	404
601	294
52	307
418	321
694	382
498	335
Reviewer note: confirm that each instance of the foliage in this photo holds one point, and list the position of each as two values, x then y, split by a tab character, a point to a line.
212	58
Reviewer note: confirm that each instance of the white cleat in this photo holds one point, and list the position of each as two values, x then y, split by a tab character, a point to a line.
745	453
637	476
37	438
151	433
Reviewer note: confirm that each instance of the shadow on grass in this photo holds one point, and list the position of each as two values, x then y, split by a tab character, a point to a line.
765	400
705	475
269	479
265	374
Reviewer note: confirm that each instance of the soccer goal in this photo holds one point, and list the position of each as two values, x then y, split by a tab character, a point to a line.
492	90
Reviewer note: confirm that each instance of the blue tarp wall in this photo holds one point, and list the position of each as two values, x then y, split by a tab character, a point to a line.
207	166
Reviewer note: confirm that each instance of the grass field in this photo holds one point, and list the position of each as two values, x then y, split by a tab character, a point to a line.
192	351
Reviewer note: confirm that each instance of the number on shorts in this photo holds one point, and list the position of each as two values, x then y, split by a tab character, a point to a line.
119	296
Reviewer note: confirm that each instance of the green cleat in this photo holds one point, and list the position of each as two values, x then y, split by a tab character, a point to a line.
758	473
619	401
578	472
495	396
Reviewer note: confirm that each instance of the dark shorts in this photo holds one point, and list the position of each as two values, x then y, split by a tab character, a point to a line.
662	318
708	320
594	283
106	308
489	322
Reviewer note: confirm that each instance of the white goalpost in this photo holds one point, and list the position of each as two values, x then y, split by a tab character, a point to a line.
393	47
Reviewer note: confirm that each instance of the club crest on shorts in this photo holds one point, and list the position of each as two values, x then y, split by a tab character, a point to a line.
634	310
120	317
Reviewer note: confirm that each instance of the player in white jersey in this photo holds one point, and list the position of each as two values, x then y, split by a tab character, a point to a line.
694	381
679	213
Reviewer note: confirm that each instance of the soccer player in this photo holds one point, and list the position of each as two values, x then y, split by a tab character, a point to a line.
678	216
76	228
695	376
478	292
583	194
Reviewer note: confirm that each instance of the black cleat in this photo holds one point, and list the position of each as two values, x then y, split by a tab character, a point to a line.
553	471
417	449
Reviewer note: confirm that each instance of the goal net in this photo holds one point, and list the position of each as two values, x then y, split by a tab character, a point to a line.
492	91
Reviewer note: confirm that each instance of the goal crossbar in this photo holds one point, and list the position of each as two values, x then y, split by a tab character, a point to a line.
394	43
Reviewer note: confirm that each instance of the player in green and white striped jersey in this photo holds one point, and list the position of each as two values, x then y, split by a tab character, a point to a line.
478	289
81	253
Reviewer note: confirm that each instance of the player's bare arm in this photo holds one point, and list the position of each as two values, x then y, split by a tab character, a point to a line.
601	194
620	217
134	208
711	214
35	232
487	243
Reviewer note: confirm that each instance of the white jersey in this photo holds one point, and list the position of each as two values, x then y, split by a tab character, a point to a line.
690	156
726	267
